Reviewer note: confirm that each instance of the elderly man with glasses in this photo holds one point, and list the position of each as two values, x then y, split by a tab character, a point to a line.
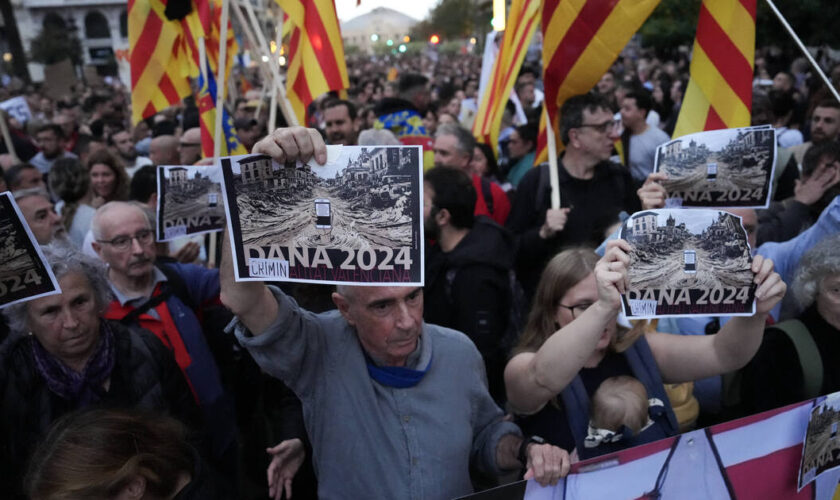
161	298
593	190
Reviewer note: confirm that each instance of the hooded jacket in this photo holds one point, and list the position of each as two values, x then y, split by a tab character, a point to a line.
468	289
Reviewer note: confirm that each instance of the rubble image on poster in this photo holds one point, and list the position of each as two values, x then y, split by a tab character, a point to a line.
686	263
357	219
24	273
719	168
821	451
189	201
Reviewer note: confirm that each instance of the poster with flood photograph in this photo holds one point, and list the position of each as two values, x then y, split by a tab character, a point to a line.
189	201
24	273
687	263
356	219
719	168
821	449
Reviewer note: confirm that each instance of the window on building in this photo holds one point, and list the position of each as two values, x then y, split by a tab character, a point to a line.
96	26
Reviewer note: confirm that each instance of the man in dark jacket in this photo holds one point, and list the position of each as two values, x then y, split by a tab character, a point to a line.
593	191
467	269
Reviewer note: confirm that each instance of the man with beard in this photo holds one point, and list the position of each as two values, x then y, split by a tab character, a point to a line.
122	144
825	126
50	139
152	297
340	118
812	193
467	269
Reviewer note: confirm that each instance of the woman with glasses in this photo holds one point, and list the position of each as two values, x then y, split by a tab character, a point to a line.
65	357
572	342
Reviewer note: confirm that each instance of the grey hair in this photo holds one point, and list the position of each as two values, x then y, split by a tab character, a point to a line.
96	223
26	193
64	259
378	137
820	261
466	141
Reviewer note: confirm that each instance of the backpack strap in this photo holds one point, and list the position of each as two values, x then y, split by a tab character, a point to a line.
174	285
487	192
576	409
643	364
809	355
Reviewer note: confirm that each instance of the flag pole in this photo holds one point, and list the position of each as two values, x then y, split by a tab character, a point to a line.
803	49
291	118
7	138
553	176
278	42
217	143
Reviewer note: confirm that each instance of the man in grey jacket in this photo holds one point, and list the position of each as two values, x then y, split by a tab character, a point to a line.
394	407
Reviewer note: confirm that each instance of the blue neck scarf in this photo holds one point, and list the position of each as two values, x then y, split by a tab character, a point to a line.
396	376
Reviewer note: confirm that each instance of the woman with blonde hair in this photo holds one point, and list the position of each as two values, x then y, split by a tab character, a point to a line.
573	342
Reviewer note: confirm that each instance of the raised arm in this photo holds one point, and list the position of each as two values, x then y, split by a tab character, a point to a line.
682	358
533	378
251	301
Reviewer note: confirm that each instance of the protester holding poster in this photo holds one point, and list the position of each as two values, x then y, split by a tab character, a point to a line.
572	342
372	389
73	359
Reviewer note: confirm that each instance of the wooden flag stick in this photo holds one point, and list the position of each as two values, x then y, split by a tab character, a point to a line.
7	138
217	143
553	176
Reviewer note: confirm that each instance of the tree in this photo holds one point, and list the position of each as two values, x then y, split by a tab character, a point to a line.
451	19
55	44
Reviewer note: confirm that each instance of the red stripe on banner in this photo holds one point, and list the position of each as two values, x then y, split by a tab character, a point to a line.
168	89
749	6
577	38
144	49
318	37
770	476
713	120
729	61
301	88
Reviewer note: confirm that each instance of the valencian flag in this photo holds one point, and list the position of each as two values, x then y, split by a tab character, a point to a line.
207	109
316	53
719	92
522	22
581	39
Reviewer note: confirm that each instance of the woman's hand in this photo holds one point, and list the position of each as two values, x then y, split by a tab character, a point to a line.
611	274
770	288
287	458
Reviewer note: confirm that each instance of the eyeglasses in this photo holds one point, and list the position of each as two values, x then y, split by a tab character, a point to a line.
576	309
603	128
123	242
189	144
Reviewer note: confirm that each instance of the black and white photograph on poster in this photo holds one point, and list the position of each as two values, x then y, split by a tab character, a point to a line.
24	273
687	263
821	449
357	219
719	168
189	201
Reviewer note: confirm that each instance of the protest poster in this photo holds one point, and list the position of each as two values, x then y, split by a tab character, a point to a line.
731	168
189	201
687	263
356	219
17	108
821	450
24	273
59	79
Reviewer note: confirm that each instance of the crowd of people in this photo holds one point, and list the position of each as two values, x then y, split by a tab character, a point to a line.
512	361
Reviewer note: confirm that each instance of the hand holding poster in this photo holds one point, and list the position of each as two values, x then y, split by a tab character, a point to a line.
189	201
719	168
356	219
24	273
17	108
687	263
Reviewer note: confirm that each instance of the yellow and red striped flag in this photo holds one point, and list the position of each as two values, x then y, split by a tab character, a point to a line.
581	40
160	62
719	92
522	22
316	53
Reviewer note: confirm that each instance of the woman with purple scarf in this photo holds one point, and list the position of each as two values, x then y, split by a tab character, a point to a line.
65	357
